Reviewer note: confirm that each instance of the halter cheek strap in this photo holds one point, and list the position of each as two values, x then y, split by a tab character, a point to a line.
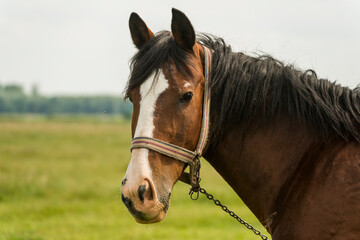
192	158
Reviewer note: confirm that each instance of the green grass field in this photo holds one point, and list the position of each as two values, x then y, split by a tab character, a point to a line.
60	179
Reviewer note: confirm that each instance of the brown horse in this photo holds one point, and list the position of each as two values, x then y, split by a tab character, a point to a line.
286	141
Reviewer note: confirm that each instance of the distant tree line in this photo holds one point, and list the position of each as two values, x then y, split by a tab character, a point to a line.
14	100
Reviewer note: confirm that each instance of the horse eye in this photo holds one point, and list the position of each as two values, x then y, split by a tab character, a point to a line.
186	97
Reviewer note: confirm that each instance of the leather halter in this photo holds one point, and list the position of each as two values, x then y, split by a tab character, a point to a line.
192	158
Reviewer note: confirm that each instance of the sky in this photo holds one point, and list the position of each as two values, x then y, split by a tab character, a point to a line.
83	47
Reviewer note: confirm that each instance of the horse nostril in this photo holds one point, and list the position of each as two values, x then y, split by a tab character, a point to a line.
141	190
123	182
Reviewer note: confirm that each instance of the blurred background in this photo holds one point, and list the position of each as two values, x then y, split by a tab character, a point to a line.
64	127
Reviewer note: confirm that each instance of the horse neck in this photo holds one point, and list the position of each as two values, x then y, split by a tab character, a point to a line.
261	165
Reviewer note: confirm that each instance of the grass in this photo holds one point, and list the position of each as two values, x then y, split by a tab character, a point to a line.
60	179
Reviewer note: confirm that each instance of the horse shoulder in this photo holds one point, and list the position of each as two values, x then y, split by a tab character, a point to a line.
326	204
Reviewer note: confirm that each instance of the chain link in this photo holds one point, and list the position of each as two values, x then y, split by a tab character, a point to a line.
194	195
231	213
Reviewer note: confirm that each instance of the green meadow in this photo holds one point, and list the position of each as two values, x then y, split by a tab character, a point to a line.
60	179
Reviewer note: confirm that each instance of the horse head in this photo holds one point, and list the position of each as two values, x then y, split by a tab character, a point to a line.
166	88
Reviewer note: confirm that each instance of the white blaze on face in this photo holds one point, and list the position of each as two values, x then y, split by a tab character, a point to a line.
150	91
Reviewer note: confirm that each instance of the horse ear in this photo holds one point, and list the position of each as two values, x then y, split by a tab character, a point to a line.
140	33
182	30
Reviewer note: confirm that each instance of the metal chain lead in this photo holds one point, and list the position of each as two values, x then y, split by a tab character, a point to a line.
231	213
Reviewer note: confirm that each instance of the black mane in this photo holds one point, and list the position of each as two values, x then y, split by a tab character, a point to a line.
247	90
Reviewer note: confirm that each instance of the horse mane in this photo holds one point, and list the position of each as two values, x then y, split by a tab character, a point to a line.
247	89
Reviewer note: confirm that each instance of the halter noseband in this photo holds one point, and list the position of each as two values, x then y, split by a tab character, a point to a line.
192	158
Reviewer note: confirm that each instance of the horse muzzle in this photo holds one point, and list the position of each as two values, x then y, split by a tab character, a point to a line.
142	202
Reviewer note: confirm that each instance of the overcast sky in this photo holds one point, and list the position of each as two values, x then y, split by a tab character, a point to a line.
84	46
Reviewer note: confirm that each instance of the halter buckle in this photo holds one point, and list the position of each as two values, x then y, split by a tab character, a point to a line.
195	177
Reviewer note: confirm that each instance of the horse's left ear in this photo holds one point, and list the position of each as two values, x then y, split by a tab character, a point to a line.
182	30
140	33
